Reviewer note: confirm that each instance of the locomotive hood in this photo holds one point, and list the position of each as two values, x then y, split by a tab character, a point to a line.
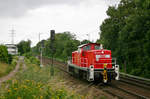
101	52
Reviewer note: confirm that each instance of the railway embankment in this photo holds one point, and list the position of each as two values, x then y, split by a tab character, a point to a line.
126	88
77	85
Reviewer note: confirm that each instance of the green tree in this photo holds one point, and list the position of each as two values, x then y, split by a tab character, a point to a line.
64	44
126	33
85	42
24	47
4	56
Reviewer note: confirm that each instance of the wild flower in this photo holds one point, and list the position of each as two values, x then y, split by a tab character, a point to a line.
40	89
15	88
41	97
15	81
9	90
25	86
27	80
18	97
39	86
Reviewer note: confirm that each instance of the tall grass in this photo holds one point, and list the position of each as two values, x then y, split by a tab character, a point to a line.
7	68
34	83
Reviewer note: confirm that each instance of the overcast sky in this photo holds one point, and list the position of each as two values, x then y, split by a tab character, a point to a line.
31	17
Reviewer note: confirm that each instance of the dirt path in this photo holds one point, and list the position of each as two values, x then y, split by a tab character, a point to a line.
12	73
24	65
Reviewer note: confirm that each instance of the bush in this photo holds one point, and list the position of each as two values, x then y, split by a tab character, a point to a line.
29	89
136	72
14	62
34	60
10	58
4	54
27	55
31	59
7	68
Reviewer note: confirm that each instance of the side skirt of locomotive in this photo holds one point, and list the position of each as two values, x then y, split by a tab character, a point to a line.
91	74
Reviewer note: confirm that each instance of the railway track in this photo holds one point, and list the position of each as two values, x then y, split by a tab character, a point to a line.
136	81
126	93
126	88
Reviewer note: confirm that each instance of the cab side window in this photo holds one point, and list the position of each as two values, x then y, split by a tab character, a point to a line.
84	48
89	47
97	47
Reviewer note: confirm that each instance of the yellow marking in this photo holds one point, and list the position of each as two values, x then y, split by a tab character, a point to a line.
105	73
105	65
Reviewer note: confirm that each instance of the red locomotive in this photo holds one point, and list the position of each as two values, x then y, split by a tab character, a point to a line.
93	63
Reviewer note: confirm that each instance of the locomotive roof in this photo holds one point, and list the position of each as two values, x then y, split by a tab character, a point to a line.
80	46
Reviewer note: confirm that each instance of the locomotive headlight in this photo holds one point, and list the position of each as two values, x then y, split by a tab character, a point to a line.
107	56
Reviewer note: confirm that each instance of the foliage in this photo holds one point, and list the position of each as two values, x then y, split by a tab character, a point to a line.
34	60
64	44
33	83
7	68
85	42
24	47
10	58
31	59
4	56
127	33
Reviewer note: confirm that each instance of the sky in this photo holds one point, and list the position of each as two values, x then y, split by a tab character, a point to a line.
30	17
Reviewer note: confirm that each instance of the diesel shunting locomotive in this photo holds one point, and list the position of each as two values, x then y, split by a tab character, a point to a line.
93	63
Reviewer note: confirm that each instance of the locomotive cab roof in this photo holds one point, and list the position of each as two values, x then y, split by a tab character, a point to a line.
81	46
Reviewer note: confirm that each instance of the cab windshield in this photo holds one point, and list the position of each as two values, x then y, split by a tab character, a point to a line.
97	47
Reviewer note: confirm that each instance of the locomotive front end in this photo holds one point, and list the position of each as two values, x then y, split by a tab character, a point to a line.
105	66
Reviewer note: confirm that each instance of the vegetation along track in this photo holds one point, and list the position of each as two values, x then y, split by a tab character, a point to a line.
126	88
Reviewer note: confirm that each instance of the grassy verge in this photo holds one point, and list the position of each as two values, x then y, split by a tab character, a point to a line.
57	59
7	68
35	83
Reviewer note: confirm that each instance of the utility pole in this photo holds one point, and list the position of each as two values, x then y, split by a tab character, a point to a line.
40	50
12	35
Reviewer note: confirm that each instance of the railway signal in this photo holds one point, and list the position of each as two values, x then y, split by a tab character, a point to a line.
52	38
52	35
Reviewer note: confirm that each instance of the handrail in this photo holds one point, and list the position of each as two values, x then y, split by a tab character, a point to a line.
84	61
79	61
136	77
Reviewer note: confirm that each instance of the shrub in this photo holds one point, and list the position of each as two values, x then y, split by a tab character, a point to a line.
34	60
7	68
29	89
3	54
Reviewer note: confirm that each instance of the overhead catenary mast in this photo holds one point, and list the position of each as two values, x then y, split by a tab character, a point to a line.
40	50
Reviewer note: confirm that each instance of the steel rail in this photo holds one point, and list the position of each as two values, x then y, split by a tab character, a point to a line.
135	77
112	86
129	92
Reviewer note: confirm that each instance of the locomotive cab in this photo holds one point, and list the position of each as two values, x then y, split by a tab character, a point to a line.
92	62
